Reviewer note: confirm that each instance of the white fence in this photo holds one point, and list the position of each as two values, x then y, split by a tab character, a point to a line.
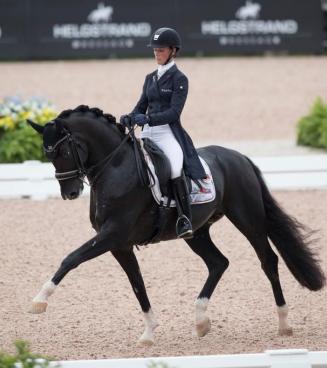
35	180
289	358
294	172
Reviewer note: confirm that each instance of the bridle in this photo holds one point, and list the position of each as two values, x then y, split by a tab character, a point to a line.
51	152
81	171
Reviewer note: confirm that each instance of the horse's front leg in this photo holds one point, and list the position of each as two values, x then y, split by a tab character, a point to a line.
128	261
96	246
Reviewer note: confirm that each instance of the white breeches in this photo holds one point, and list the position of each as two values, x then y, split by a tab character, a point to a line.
164	138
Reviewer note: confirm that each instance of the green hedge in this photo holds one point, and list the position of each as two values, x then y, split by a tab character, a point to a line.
18	141
312	129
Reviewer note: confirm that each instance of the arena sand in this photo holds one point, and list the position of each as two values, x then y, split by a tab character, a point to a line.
94	314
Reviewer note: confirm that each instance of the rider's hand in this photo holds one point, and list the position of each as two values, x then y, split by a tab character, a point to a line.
126	120
141	119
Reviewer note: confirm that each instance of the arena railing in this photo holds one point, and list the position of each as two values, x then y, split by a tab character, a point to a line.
287	358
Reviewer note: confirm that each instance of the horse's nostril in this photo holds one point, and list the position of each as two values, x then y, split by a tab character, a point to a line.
73	195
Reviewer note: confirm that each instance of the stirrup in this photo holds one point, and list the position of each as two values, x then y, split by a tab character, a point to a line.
184	230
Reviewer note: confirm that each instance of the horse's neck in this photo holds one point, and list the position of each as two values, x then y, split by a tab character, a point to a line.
102	141
104	145
106	149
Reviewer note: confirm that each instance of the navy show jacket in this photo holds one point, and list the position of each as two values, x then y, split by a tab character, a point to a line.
164	100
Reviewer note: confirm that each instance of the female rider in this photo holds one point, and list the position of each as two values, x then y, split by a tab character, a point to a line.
158	112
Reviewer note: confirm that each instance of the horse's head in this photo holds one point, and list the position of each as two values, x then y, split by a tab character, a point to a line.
67	153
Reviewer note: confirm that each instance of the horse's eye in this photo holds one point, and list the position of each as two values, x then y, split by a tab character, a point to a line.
64	152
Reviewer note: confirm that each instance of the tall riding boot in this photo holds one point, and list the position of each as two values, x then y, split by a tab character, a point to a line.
181	195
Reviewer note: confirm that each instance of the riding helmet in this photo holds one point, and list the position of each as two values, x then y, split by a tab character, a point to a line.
165	37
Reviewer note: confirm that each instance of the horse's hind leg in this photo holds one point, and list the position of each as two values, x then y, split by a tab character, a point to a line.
269	264
249	218
128	261
216	263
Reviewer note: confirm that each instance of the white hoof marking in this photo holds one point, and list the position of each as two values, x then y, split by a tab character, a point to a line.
147	338
202	328
283	327
145	342
202	322
40	302
38	307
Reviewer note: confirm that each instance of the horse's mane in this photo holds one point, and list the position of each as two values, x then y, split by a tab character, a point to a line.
85	109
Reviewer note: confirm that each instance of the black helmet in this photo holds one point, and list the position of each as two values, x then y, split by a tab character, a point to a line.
165	37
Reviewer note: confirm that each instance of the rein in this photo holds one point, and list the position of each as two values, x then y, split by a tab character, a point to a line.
106	160
81	171
141	163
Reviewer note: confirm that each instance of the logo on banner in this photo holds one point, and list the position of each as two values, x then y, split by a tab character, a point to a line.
248	11
248	29
102	14
100	31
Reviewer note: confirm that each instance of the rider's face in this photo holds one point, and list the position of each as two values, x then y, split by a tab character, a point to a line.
161	54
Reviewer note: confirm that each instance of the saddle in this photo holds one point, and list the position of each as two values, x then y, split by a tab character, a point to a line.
201	191
159	171
161	165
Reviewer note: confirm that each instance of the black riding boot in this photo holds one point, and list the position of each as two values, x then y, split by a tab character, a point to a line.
181	195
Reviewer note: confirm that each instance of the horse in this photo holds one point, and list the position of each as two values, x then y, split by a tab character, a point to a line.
86	142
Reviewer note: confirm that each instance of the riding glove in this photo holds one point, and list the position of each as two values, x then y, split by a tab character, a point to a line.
141	119
125	120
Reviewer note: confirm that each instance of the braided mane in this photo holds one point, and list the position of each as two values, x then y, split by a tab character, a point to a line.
84	108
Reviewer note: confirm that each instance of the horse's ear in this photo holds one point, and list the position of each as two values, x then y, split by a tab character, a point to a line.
37	127
59	125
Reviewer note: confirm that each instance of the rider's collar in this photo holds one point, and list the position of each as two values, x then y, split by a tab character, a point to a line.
163	68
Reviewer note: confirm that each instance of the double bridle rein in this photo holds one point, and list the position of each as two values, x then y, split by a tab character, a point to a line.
81	171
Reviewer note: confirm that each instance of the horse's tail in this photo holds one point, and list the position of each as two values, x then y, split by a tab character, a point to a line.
291	241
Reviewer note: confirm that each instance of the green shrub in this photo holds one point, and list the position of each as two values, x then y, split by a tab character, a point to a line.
24	357
312	129
18	141
21	145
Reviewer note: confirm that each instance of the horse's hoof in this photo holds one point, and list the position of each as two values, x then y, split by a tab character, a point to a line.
288	331
202	328
38	307
145	342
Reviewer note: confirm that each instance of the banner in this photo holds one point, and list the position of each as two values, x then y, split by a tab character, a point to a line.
58	29
93	28
253	26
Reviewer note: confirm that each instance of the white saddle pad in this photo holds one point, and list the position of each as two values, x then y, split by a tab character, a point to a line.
197	196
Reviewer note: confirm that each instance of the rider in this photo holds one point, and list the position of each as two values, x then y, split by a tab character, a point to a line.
158	112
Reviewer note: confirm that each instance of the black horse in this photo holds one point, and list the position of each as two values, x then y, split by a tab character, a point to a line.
123	212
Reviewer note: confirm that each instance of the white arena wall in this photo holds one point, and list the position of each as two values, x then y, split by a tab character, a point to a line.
36	180
286	358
